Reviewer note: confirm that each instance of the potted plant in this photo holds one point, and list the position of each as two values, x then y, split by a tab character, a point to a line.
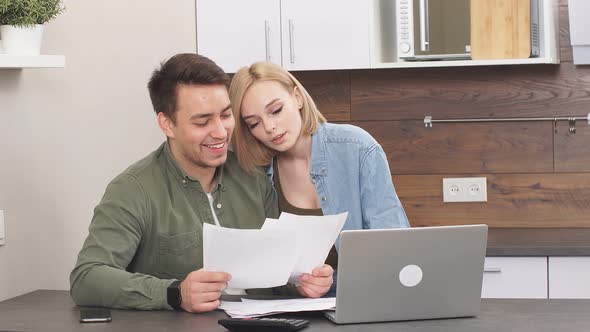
21	24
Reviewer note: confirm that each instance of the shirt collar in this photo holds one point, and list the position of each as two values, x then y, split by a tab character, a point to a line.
185	179
318	151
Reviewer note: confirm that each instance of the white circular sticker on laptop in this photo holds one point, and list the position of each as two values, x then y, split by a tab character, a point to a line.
410	275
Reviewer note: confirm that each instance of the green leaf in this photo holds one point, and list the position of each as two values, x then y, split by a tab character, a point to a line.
25	13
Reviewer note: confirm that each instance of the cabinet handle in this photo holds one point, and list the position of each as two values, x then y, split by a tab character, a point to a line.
267	39
492	270
292	41
424	27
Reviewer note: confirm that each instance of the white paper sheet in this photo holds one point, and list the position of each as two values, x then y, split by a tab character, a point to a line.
315	236
256	308
254	258
279	252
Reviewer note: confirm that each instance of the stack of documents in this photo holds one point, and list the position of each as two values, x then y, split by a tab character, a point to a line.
257	308
269	257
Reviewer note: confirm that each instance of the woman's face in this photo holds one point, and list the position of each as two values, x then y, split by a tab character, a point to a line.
272	114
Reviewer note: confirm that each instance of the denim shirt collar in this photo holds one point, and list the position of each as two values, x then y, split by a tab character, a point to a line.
318	152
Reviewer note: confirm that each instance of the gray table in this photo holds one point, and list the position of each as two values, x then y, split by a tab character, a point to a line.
50	311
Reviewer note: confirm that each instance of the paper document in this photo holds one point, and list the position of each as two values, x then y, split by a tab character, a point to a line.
269	257
315	236
254	259
256	308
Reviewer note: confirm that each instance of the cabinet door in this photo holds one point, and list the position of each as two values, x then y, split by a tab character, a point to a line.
238	33
515	277
569	277
326	34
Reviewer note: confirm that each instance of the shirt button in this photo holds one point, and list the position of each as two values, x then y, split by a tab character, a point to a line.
219	206
324	198
324	172
183	181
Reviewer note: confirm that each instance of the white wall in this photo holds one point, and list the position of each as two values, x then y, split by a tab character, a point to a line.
64	133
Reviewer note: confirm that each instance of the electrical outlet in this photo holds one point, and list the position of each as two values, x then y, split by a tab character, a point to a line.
465	190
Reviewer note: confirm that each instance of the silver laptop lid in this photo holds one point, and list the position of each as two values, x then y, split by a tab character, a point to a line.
410	273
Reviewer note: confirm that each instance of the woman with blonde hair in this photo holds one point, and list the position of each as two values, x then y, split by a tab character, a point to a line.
317	168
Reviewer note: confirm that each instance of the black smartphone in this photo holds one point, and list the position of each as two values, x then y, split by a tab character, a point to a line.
95	315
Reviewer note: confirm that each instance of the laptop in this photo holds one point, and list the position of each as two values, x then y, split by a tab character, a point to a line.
409	273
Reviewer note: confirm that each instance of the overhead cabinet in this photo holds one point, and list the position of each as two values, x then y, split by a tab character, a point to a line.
297	34
357	34
237	33
580	30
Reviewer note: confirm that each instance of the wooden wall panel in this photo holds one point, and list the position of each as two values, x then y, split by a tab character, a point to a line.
330	90
572	151
470	92
507	147
514	200
536	177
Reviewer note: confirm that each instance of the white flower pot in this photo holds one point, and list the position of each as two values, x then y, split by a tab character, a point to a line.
21	41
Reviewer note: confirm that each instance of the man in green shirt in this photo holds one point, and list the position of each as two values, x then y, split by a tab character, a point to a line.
146	233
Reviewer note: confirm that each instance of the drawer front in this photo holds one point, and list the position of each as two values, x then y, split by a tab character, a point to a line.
569	277
515	278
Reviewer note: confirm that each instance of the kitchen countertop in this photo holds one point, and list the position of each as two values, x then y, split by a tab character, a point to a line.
538	242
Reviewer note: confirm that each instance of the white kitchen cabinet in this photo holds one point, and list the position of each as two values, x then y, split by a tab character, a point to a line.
327	34
298	34
579	30
515	277
238	33
569	277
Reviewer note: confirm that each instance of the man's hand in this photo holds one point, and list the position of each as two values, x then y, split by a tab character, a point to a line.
201	290
317	283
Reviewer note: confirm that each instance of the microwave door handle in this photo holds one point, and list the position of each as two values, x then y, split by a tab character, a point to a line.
424	27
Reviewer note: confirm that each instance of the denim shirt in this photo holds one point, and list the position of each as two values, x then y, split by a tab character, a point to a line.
350	172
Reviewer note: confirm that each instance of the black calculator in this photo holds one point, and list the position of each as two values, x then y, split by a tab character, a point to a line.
263	324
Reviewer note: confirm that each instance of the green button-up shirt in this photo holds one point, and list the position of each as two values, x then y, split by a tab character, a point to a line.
147	230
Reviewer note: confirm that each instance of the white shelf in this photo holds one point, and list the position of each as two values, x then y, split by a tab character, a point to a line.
460	63
32	61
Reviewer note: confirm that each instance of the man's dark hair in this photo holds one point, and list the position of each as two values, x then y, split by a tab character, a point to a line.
184	68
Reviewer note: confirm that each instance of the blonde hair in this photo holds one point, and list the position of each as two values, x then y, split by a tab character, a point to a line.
252	153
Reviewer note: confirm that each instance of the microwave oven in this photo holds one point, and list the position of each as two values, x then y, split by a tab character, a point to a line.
441	29
433	29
